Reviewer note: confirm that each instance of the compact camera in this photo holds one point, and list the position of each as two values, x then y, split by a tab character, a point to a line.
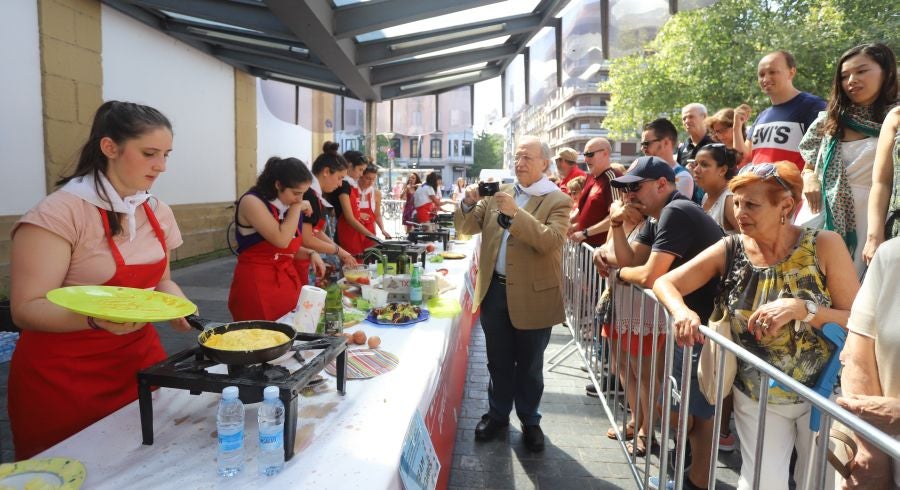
486	189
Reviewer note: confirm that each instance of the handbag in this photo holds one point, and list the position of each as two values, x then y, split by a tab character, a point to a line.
841	449
719	322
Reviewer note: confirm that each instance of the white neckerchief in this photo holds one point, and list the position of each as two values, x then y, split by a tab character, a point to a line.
280	206
351	181
365	197
539	188
317	188
85	188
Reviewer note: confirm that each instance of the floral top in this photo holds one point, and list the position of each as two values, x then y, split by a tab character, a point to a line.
797	349
893	227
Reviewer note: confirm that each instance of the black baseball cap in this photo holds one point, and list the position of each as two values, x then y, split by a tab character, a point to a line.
645	168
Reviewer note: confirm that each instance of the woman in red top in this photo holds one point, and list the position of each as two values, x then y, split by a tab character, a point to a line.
427	198
351	234
268	232
101	228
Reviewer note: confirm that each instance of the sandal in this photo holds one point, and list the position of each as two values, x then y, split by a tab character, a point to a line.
629	432
641	450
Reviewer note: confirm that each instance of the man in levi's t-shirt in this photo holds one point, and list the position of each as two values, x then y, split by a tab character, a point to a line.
776	133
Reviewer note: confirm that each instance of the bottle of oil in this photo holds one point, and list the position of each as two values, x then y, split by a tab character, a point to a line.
334	308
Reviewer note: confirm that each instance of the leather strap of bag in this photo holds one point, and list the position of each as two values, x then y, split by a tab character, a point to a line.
844	469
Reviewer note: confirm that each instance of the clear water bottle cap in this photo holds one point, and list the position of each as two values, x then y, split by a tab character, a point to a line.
270	392
230	392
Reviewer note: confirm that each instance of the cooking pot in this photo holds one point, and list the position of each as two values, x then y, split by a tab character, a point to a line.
254	356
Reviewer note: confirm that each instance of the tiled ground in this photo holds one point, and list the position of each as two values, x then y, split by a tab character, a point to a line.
578	454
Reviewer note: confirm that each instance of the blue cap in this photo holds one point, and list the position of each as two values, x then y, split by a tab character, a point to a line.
645	168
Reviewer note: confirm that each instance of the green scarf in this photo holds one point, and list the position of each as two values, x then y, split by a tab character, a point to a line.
825	150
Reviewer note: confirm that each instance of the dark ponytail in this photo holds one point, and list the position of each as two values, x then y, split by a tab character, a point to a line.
432	180
120	122
724	157
290	172
355	158
330	159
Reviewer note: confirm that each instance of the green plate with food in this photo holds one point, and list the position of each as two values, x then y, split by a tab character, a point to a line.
38	474
397	315
121	304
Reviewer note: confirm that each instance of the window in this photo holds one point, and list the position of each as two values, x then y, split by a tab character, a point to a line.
629	149
456	147
349	144
467	148
414	148
435	148
395	145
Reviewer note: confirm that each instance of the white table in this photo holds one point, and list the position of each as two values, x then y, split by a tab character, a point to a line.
343	442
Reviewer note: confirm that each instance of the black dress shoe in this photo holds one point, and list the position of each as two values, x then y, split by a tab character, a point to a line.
533	437
488	428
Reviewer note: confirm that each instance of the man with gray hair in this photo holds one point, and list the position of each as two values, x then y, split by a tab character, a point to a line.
523	229
692	117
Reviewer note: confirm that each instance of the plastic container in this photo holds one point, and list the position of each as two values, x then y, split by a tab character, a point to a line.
270	418
230	427
357	274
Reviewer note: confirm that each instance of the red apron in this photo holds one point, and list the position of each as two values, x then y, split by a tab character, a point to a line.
302	265
266	284
367	218
348	238
60	383
423	212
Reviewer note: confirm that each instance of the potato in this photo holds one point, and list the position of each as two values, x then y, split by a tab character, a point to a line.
359	337
374	342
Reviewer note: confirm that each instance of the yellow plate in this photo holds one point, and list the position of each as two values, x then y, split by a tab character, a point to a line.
118	304
63	473
453	255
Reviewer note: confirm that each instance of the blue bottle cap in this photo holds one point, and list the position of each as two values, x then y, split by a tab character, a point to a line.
230	393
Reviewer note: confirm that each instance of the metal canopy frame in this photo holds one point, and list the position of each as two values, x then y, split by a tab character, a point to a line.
312	43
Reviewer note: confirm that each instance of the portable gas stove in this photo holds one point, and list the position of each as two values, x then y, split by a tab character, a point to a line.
392	250
441	234
186	370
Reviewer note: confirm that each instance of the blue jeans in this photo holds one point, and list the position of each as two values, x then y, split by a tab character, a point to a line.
515	360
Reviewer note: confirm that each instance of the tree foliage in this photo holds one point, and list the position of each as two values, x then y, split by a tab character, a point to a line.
488	153
710	55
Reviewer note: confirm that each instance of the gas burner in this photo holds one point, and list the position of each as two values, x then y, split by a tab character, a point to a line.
256	372
440	234
187	370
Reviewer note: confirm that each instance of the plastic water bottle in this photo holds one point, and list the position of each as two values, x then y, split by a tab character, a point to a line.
311	275
415	285
271	433
230	426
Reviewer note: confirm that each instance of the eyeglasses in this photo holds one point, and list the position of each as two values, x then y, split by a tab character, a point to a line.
724	130
646	144
589	154
634	186
764	171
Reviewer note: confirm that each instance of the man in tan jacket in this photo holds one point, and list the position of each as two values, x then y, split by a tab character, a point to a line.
523	229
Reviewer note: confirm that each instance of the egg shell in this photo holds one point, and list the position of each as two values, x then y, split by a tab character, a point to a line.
359	337
374	342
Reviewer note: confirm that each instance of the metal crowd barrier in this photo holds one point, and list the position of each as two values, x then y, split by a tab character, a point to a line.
582	287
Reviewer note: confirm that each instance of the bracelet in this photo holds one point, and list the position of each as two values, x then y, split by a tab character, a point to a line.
585	233
612	224
91	323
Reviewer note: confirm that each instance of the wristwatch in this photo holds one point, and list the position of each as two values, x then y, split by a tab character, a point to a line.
811	309
584	233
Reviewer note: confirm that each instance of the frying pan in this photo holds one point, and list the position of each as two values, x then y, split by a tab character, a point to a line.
255	356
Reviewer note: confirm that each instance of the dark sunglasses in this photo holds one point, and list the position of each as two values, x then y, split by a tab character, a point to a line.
589	154
764	171
634	186
646	144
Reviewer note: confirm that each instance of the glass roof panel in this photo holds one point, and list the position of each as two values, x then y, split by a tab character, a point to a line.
207	22
341	3
466	47
479	14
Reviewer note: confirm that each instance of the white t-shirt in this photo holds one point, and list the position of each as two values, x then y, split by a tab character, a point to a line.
423	195
874	314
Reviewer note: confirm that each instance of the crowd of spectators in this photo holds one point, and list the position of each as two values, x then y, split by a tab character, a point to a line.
771	223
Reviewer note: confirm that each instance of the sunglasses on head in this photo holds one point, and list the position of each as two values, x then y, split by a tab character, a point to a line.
764	171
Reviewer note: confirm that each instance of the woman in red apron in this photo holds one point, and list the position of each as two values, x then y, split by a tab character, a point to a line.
69	371
427	198
351	234
328	171
268	232
370	204
409	207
